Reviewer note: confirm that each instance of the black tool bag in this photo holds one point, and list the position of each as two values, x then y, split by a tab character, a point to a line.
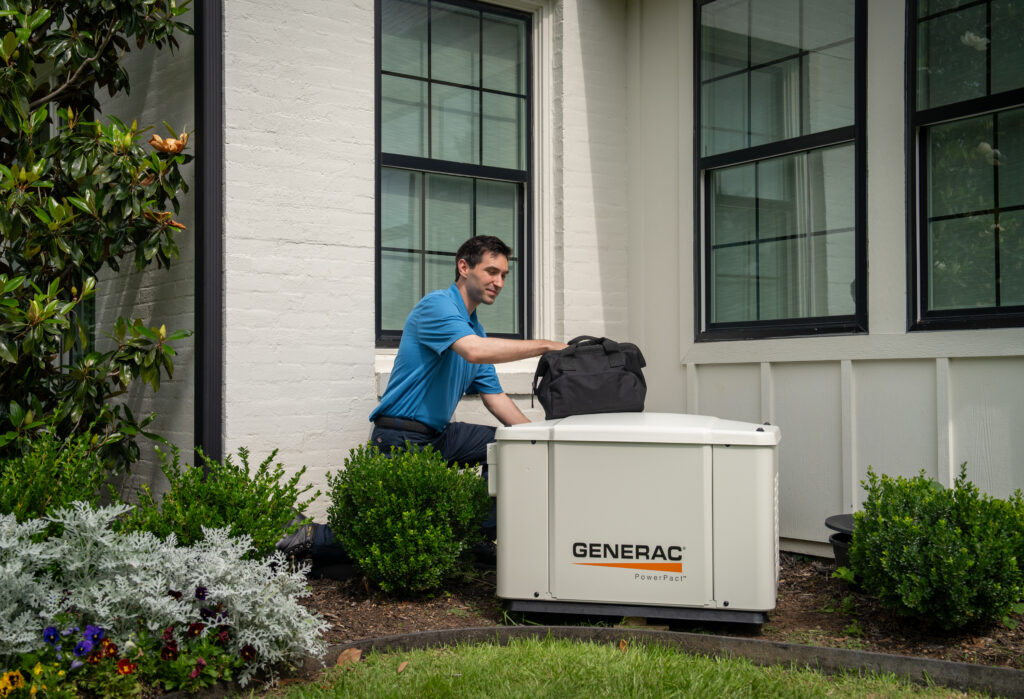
591	375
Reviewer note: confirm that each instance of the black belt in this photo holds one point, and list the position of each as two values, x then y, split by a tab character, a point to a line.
402	423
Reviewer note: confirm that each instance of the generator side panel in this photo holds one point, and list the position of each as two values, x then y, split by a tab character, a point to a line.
746	548
519	473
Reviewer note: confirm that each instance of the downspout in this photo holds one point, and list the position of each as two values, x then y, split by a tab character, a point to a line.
209	266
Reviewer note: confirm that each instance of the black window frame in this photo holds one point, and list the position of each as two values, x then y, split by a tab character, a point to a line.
919	317
704	330
522	247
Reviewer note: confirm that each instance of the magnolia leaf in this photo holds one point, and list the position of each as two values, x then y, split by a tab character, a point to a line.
623	646
9	351
349	656
402	667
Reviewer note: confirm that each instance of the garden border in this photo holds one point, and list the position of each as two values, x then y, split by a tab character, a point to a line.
1001	681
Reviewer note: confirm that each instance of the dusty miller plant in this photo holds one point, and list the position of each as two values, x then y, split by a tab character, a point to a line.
135	583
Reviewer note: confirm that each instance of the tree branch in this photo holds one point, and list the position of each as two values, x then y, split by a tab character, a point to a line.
74	76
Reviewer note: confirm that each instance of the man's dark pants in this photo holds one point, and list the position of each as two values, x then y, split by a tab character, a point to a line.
459	442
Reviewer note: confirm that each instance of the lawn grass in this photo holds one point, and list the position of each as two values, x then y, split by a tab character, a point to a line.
564	668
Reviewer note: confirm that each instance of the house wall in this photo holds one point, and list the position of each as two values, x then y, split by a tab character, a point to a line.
161	90
894	400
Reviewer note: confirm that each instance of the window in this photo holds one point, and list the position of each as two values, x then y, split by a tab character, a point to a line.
780	174
453	133
967	117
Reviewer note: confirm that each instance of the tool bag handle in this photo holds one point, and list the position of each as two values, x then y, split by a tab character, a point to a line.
611	348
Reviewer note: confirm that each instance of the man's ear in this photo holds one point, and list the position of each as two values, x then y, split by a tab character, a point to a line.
463	267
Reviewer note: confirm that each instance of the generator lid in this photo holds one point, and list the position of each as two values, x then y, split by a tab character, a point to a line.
640	428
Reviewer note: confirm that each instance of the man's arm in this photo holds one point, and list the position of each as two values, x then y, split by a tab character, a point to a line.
502	407
495	350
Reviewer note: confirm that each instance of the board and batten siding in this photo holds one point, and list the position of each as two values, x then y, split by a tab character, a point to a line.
894	400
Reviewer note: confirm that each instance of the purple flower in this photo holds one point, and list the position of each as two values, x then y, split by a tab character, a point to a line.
201	593
247	653
83	648
69	630
174	593
200	664
170	651
75	664
93	633
51	635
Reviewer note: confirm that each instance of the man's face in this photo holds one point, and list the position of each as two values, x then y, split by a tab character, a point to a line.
485	281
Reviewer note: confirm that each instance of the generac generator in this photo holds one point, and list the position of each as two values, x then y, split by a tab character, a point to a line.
654	515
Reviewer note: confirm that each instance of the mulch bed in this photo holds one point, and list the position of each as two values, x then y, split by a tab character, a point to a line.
812	609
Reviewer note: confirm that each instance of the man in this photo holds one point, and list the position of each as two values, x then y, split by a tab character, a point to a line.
444	354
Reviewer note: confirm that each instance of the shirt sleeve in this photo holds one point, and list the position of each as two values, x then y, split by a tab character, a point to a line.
486	381
441	324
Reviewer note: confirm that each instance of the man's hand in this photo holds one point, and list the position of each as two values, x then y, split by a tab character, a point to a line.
502	407
495	350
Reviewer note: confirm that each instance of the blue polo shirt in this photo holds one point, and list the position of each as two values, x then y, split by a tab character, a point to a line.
429	378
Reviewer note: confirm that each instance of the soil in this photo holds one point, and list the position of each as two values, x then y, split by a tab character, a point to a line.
812	608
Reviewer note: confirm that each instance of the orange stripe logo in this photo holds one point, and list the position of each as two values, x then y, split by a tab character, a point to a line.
663	567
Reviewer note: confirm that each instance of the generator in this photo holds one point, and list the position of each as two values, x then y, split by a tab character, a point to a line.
655	515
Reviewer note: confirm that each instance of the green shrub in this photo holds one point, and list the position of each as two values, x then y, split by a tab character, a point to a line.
259	504
51	473
948	556
406	519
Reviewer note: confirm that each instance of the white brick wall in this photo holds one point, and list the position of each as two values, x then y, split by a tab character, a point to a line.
161	91
299	231
590	196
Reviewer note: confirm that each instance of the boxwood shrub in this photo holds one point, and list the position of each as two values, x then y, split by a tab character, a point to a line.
405	519
949	557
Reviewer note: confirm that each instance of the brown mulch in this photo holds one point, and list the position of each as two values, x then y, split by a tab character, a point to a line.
812	609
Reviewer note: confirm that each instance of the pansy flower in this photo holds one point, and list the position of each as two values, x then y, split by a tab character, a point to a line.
200	664
174	593
168	634
51	635
247	653
222	637
201	593
170	651
109	648
126	666
195	629
83	648
93	633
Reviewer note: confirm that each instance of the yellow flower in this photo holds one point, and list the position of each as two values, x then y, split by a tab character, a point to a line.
37	669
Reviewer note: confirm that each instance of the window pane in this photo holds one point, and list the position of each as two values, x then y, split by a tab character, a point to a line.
826	23
782	237
1011	259
724	113
775	103
497	209
455	44
962	263
504	48
828	98
400	287
400	225
503	315
403	120
960	172
1010	170
504	131
951	57
455	125
774	29
724	28
1007	45
404	37
449	212
440	270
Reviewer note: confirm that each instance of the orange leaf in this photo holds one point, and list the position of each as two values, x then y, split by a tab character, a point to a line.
402	666
623	646
349	656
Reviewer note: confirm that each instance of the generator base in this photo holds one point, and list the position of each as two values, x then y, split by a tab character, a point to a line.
637	610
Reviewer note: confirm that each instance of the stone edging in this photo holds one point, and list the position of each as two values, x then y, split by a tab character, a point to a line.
997	681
